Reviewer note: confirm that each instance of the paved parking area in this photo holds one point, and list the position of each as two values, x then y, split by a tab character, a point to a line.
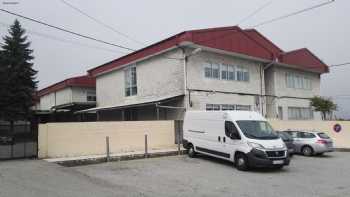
177	176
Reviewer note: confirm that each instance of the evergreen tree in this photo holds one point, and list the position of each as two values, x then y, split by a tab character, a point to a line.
17	76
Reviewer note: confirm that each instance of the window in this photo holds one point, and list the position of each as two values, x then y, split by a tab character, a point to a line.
130	81
243	107
257	129
90	95
231	73
213	107
300	113
225	107
207	70
306	135
298	81
231	130
225	72
323	135
216	71
242	74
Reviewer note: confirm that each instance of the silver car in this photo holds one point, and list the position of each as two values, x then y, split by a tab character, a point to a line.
311	143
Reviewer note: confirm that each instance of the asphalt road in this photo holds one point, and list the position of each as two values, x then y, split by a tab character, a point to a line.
177	176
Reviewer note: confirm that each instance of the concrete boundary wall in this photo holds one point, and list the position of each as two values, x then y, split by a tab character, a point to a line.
341	139
57	140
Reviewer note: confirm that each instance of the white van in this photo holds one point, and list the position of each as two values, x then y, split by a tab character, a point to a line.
243	137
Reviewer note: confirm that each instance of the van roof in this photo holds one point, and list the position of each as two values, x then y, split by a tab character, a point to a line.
233	115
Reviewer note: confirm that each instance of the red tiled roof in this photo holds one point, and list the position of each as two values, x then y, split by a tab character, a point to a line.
254	34
81	81
305	58
232	39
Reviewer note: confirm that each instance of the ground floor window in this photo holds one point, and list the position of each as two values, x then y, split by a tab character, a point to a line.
212	107
300	113
225	107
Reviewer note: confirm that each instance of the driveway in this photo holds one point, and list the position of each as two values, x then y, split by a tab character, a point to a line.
177	176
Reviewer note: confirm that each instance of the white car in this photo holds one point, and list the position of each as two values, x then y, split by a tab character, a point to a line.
243	137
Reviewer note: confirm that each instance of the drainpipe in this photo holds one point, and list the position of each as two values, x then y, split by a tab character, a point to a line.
261	82
185	59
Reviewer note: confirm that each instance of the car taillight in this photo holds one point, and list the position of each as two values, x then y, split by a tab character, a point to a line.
321	142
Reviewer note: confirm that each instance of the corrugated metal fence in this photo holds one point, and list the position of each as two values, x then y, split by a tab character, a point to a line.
21	143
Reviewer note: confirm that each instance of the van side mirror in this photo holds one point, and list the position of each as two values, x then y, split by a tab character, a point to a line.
231	130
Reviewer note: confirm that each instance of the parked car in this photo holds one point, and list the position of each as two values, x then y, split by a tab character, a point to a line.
288	140
311	143
243	137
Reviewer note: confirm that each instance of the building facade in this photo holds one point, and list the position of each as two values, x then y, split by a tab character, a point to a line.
61	100
211	69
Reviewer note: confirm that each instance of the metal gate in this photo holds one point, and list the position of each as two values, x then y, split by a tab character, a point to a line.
20	143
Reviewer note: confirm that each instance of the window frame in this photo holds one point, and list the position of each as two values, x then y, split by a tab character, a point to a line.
130	81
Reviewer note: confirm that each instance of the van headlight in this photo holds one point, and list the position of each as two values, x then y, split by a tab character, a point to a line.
255	145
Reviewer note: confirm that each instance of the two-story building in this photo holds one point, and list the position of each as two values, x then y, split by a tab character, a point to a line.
210	69
59	102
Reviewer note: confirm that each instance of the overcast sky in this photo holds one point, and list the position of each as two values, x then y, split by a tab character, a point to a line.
325	31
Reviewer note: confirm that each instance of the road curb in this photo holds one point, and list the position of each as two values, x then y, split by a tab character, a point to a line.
342	149
90	161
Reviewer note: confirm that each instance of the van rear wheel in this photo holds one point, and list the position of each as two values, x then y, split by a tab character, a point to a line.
241	162
191	151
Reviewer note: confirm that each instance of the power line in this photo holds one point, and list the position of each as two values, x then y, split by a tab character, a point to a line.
67	31
293	13
254	12
342	64
55	38
102	23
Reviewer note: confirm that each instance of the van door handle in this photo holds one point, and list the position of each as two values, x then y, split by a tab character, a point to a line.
219	139
224	139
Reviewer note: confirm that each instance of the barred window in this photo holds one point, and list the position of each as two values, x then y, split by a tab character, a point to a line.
298	81
226	107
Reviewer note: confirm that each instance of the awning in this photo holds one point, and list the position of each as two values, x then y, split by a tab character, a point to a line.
75	106
144	103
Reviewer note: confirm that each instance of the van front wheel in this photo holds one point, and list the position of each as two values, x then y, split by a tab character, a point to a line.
191	151
241	162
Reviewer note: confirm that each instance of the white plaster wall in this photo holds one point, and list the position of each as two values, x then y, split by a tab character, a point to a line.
157	77
281	88
47	101
62	97
79	94
197	80
276	85
200	99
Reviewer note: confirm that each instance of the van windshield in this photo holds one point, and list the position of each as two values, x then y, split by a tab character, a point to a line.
257	129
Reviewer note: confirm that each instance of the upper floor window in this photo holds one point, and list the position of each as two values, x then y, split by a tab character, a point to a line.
212	70
226	72
130	81
298	81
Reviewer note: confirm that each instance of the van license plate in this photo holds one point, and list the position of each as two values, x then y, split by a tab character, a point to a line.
278	162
